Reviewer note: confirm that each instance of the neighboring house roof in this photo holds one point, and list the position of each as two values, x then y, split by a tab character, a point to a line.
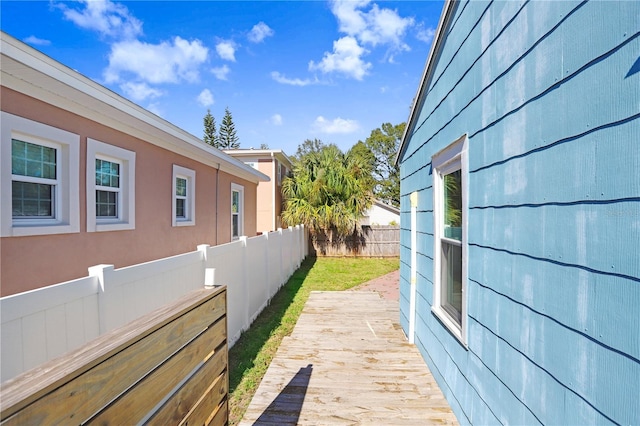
249	153
29	71
438	39
386	206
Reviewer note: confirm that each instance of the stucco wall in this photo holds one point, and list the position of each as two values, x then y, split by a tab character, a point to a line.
547	93
36	261
265	196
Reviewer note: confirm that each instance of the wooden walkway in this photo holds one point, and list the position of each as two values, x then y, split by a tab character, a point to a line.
347	362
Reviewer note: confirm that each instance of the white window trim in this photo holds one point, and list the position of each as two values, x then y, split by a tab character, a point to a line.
126	205
67	197
240	189
190	176
450	159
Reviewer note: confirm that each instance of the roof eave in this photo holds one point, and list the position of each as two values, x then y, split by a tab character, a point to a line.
278	153
445	16
80	93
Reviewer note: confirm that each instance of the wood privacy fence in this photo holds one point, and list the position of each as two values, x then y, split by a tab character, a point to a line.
168	367
368	241
46	323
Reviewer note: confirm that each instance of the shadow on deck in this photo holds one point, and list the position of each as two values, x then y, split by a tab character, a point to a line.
364	370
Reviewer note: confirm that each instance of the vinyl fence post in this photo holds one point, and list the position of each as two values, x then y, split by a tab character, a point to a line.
105	303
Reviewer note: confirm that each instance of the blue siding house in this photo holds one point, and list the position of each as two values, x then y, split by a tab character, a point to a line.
520	212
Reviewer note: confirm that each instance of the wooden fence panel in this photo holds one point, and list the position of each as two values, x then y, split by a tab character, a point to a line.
175	356
368	241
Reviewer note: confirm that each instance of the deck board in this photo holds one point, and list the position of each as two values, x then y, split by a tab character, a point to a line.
348	362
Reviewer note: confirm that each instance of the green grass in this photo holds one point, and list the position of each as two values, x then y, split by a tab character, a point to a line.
251	355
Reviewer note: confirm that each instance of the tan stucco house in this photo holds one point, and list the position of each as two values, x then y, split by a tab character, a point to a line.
88	177
277	165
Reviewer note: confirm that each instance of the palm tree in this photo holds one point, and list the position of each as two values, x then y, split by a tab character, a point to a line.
329	191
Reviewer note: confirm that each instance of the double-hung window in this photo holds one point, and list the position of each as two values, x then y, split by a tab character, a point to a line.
34	180
237	216
450	231
184	196
110	187
40	178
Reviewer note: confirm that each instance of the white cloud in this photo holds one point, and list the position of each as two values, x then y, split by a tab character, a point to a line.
37	41
276	120
337	125
291	81
167	62
226	50
425	34
364	25
140	91
259	32
346	59
222	72
375	26
205	98
105	17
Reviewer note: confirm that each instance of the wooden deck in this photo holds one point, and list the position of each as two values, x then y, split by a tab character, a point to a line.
347	362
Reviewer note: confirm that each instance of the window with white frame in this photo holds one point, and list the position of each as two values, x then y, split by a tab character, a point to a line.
237	214
184	196
450	231
39	180
110	187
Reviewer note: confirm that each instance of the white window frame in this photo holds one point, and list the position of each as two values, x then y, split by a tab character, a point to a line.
126	201
66	208
190	200
240	189
449	160
118	191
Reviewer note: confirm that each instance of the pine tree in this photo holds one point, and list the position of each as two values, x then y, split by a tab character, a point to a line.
210	136
228	138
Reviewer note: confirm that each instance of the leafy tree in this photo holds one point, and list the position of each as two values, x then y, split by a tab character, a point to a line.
307	147
264	146
384	144
328	191
367	160
210	132
228	138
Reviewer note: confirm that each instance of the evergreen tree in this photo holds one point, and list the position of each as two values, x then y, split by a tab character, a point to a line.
210	136
227	137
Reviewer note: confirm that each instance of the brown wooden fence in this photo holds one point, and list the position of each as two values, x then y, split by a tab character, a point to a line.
168	367
368	241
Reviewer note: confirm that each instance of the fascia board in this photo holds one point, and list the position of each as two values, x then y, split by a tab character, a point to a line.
426	75
266	153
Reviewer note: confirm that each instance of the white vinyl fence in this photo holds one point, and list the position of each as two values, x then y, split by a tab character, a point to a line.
42	324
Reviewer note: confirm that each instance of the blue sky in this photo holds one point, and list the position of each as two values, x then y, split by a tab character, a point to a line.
287	70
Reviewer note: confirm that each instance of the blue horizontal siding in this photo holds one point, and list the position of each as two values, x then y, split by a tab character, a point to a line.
570	235
585	369
562	173
548	95
529	282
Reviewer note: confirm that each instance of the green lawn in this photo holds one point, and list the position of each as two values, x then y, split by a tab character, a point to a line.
251	355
